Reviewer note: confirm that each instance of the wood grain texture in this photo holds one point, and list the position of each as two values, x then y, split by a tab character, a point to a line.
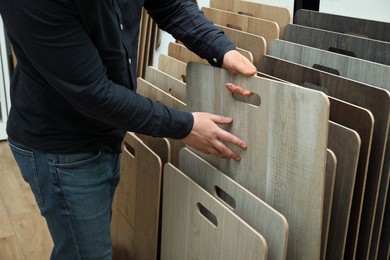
376	100
173	67
263	218
284	163
276	14
344	24
10	249
154	93
189	234
331	164
138	198
267	29
357	69
160	146
183	54
362	48
384	245
256	45
345	143
166	83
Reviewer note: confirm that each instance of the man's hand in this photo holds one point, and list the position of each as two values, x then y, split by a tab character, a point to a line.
207	137
235	63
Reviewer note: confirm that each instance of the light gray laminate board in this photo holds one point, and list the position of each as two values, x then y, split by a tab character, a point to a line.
357	69
284	163
166	83
195	225
154	93
138	200
345	143
173	67
362	48
376	100
267	29
331	164
253	43
344	24
259	215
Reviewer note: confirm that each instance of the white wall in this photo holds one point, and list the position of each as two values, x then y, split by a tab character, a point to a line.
378	10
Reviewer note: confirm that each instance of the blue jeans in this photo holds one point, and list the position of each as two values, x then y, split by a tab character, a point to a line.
74	193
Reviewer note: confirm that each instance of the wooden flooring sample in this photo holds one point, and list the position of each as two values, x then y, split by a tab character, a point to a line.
276	14
267	29
247	41
357	69
259	215
345	143
195	225
344	24
138	198
166	83
331	164
287	137
384	245
362	48
172	66
376	100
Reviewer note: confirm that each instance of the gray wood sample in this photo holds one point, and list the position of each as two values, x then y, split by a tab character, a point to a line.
172	67
138	200
345	143
166	83
344	24
357	69
259	215
362	48
376	100
267	29
195	225
156	94
284	163
331	164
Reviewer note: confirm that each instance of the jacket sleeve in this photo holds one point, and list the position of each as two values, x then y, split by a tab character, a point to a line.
186	23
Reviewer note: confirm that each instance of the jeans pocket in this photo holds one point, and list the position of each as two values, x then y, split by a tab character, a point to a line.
26	162
72	161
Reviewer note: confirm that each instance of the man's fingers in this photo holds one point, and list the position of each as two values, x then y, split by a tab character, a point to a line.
238	90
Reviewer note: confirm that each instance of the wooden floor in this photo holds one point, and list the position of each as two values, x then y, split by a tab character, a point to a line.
23	231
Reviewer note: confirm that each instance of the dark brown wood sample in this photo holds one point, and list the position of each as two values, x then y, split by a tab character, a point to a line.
376	100
344	24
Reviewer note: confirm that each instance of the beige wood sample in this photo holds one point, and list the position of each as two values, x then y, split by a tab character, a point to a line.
173	67
331	164
180	52
161	146
165	82
267	29
154	93
138	199
195	225
357	69
284	163
247	41
345	143
375	99
276	14
259	215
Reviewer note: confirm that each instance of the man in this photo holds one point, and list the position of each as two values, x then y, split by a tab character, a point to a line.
73	97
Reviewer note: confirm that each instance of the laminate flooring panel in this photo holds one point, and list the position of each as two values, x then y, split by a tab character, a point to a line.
287	137
256	45
376	100
172	67
263	218
331	164
10	249
267	29
344	24
384	245
195	225
276	14
156	94
362	48
356	69
345	143
138	198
